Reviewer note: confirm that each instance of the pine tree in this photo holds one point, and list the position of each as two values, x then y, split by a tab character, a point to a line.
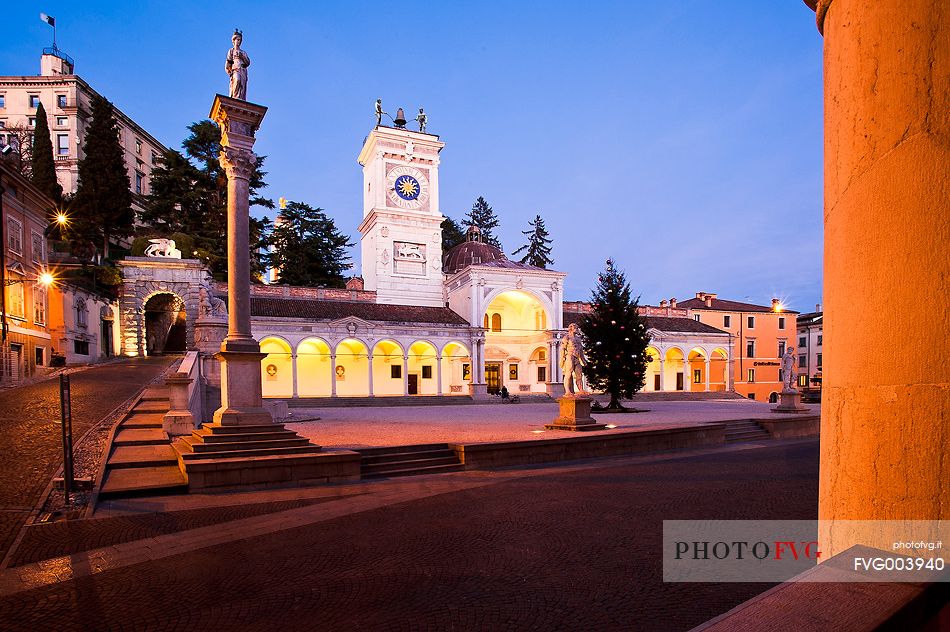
308	249
43	168
189	194
537	252
616	339
102	207
484	217
452	234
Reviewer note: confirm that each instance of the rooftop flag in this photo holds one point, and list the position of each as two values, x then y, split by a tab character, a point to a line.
48	19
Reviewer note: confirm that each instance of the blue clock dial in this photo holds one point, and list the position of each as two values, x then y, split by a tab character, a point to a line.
407	187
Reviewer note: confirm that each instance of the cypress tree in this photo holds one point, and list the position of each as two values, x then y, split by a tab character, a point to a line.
452	234
102	208
43	166
537	252
616	338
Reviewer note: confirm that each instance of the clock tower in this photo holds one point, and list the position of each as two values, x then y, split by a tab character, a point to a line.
401	231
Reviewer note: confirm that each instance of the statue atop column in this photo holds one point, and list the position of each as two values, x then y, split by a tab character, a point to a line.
573	361
789	375
379	111
236	67
423	120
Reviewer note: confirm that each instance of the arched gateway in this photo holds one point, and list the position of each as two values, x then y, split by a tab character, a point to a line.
150	286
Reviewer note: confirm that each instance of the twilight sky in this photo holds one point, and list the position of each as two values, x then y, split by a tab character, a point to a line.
681	138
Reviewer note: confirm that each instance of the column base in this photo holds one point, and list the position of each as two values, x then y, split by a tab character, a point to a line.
575	415
241	400
478	391
554	389
791	402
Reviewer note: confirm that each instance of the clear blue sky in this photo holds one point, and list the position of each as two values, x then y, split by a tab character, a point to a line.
681	138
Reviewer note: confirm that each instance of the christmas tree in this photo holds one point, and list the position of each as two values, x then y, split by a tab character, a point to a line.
616	339
537	252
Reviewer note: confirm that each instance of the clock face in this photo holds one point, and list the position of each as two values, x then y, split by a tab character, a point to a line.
408	187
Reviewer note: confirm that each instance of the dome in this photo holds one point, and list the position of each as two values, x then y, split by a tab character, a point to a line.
473	251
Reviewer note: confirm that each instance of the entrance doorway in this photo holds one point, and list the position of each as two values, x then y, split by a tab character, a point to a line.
656	382
164	324
679	382
413	383
493	377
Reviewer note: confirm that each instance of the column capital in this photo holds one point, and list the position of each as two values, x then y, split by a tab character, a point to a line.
238	163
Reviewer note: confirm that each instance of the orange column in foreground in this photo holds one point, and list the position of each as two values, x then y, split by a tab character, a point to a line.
885	427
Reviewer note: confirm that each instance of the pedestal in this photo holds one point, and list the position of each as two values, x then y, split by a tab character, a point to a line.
575	415
478	391
554	389
791	402
242	403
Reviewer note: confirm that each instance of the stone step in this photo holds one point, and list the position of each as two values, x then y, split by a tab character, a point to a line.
164	479
187	455
372	459
213	461
210	448
142	456
155	393
399	466
381	400
402	449
231	437
413	471
140	436
747	436
151	407
144	420
219	429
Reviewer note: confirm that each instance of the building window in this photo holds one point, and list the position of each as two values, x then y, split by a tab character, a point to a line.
801	341
697	376
62	144
803	381
513	372
61	100
727	321
80	347
154	158
751	376
138	182
31	121
540	322
138	146
542	374
781	348
62	121
496	322
781	322
15	301
750	322
486	322
14	236
81	313
818	362
802	361
819	340
395	371
3	124
696	317
34	101
39	305
466	371
750	348
38	253
3	100
427	372
40	354
751	395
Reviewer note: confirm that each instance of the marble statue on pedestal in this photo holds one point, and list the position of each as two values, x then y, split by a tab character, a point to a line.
573	361
789	374
236	67
162	248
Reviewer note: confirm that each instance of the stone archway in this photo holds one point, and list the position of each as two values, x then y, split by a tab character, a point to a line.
148	277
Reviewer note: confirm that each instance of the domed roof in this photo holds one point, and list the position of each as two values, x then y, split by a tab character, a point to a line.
473	251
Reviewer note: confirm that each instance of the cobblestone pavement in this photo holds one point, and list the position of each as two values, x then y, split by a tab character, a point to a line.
574	549
31	435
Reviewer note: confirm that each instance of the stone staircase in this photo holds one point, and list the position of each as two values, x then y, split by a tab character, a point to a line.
740	430
408	460
141	459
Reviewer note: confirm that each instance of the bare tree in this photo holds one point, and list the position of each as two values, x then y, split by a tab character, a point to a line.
20	138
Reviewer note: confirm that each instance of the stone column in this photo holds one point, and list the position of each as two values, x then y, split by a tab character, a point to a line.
405	376
662	362
293	373
707	374
885	420
370	370
438	367
687	377
240	356
332	375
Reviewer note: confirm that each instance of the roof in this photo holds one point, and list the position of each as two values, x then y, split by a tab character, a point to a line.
334	310
661	323
470	253
722	305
